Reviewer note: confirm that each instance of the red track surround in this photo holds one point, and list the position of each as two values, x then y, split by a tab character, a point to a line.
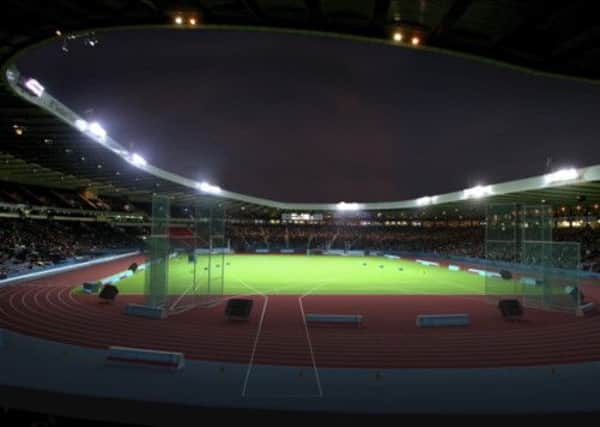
389	337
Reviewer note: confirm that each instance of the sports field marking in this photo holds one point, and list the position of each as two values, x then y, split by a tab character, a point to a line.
308	339
180	297
256	338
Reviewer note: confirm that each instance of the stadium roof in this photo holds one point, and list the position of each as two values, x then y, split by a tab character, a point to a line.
41	142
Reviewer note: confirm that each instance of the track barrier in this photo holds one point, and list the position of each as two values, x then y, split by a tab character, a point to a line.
91	287
529	281
143	357
441	320
428	263
586	309
355	319
140	310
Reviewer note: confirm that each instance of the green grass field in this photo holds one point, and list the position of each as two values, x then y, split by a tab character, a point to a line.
297	275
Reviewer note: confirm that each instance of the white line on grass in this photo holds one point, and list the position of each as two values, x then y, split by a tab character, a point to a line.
181	297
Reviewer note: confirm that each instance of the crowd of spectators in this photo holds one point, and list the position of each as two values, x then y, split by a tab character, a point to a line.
443	241
27	244
467	241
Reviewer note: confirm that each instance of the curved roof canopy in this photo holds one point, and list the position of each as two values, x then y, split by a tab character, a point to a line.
44	141
94	138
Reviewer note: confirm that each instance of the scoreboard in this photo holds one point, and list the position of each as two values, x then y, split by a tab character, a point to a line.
301	217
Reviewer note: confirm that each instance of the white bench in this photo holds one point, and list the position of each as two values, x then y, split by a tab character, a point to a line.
143	357
440	320
529	281
140	310
334	318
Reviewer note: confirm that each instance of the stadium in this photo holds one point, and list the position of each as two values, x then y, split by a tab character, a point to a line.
130	293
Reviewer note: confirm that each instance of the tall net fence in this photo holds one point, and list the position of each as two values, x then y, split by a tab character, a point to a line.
501	250
158	245
527	264
185	266
210	252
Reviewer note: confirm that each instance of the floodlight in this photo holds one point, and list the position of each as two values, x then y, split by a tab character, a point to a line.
11	75
205	187
477	192
137	160
398	37
178	20
34	87
192	21
97	130
426	200
343	206
81	124
561	175
415	41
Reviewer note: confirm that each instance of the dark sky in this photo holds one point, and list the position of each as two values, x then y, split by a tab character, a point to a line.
313	119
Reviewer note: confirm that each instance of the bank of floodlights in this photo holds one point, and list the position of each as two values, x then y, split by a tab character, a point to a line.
33	86
136	160
478	192
96	130
82	125
343	206
561	175
205	187
426	200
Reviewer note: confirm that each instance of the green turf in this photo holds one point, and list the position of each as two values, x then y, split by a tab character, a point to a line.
297	275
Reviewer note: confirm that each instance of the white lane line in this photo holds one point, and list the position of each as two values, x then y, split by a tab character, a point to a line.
256	338
308	339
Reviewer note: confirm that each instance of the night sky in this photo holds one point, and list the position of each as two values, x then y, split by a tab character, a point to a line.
312	119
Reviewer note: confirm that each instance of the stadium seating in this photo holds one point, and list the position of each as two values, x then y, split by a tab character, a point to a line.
30	242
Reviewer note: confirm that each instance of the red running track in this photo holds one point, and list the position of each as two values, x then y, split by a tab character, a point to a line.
389	337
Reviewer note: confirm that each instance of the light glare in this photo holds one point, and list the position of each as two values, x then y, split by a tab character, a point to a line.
426	200
138	160
343	206
398	37
478	192
205	187
178	20
561	175
81	124
97	130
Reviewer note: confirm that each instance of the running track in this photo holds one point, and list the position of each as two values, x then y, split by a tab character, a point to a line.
389	338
